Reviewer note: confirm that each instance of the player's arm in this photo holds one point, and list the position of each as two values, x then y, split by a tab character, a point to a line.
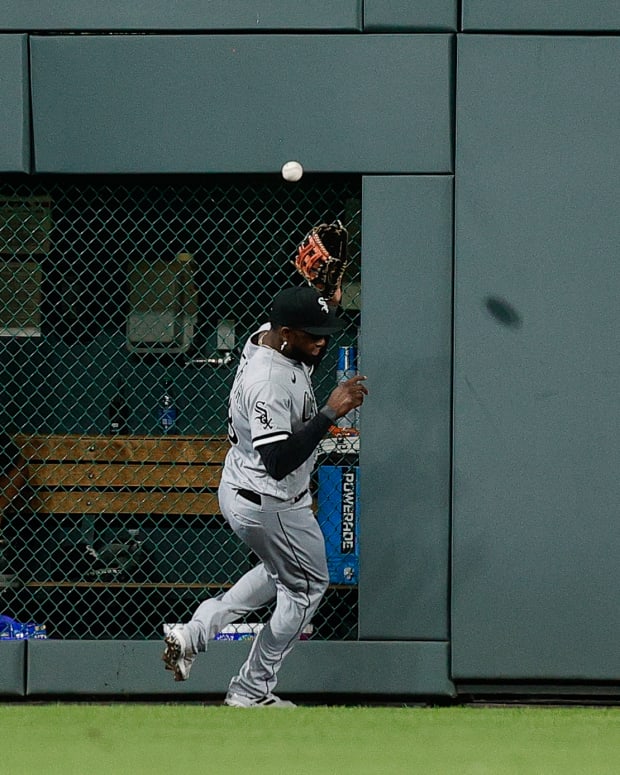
283	456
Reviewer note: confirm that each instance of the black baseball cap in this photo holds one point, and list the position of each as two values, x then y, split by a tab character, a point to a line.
305	309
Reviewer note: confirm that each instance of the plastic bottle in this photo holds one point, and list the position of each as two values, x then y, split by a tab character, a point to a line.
118	412
167	411
347	368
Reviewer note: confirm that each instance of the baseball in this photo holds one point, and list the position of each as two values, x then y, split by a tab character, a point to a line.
292	171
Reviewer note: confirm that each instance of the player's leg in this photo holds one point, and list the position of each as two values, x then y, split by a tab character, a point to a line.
291	545
252	591
183	642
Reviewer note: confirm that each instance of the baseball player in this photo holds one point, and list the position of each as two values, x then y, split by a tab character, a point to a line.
274	429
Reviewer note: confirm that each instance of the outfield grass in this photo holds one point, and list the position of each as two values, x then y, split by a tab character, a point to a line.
182	739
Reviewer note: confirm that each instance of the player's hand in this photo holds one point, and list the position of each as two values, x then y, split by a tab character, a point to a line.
348	395
335	299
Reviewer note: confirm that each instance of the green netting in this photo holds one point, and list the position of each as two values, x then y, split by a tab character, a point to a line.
113	292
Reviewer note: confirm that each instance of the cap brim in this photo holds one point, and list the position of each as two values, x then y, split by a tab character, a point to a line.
333	327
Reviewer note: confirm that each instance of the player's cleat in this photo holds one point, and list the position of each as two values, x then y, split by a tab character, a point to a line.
176	654
235	700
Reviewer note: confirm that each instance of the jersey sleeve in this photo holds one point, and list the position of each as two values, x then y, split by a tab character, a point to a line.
269	413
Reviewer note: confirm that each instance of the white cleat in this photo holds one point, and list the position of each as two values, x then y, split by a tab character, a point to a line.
176	655
235	700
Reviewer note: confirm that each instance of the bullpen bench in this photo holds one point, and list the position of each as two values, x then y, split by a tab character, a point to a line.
123	474
98	490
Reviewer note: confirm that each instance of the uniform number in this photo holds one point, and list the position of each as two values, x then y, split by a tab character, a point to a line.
232	436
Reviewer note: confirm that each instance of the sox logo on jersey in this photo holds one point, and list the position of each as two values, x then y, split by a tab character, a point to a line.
263	415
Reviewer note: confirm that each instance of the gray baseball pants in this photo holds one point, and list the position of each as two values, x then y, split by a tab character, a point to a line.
293	570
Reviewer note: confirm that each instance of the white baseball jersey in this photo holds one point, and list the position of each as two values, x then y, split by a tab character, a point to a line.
271	398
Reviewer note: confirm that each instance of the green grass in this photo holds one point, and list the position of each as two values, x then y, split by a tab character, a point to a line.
182	739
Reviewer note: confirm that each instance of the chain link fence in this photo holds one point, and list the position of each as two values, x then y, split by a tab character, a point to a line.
124	304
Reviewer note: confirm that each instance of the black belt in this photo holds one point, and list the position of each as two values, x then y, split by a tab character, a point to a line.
254	497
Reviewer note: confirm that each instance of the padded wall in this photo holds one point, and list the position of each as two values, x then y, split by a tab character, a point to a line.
13	668
242	103
405	438
408	15
200	15
535	584
535	488
313	667
534	15
14	104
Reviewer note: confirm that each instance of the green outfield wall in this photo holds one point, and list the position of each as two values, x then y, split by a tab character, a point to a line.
473	148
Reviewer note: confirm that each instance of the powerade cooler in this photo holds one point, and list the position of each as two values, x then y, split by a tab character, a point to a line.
338	516
338	489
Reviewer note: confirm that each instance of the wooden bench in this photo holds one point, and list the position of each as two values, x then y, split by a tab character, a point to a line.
76	474
12	475
92	488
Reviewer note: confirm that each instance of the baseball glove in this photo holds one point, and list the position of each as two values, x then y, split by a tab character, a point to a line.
322	257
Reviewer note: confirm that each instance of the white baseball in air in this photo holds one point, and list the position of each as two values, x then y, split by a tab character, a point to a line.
292	171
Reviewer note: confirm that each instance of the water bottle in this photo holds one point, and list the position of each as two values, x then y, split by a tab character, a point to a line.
118	410
167	411
347	368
